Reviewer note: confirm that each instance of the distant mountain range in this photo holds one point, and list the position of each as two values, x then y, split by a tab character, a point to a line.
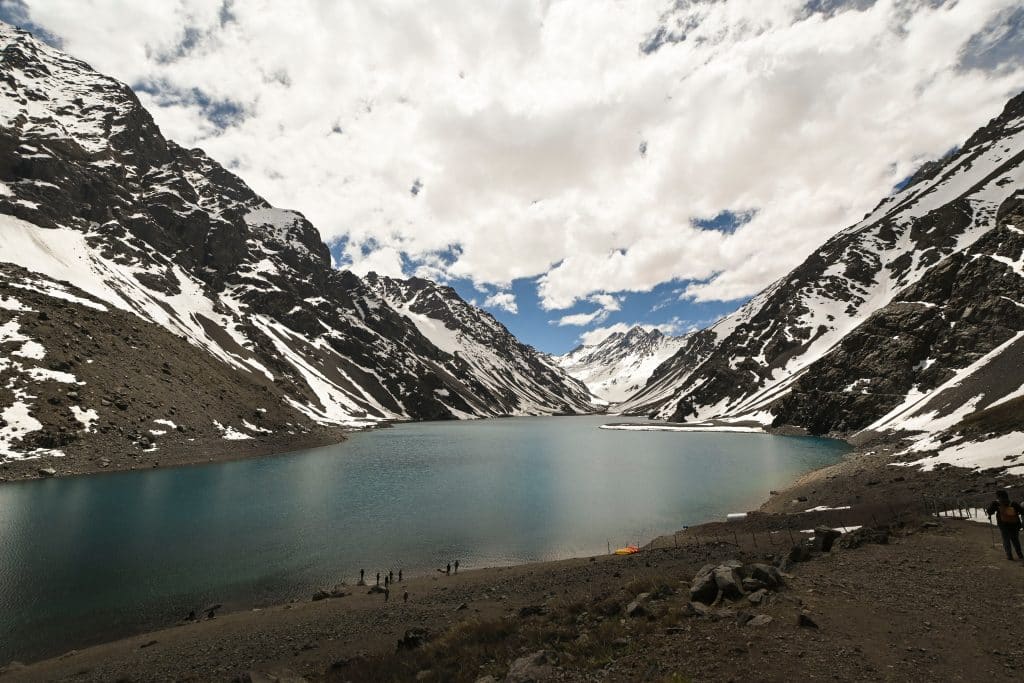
620	365
149	296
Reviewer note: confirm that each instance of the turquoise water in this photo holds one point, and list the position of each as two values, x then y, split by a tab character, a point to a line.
88	559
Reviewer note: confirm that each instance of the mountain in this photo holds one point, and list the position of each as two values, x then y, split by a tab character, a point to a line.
909	321
149	296
618	366
512	377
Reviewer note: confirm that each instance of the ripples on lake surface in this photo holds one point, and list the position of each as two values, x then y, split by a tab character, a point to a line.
87	559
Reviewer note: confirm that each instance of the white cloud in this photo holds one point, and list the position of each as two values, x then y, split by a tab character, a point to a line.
384	261
523	122
581	319
608	303
506	301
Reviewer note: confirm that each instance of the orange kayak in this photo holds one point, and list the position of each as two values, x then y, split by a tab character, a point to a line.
628	550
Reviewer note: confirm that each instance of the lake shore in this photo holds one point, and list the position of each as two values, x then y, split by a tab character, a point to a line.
320	640
173	451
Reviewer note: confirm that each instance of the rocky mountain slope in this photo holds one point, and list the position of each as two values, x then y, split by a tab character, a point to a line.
118	245
908	321
620	365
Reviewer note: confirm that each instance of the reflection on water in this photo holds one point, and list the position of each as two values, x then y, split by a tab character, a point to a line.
92	558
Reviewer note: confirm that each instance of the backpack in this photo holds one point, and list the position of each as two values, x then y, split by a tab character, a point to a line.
1008	515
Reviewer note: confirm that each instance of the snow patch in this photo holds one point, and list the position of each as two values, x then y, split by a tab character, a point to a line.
86	417
990	453
230	433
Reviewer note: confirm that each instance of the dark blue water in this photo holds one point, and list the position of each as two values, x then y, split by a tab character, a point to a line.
84	560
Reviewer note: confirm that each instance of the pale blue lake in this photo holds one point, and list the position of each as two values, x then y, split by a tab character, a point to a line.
87	559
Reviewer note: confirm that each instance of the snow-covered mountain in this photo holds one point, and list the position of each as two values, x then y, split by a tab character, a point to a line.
909	320
136	273
619	365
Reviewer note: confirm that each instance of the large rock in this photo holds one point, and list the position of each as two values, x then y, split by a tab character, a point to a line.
704	589
824	538
729	582
532	668
801	552
636	609
765	573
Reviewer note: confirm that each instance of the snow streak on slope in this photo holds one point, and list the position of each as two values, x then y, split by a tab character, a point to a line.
620	365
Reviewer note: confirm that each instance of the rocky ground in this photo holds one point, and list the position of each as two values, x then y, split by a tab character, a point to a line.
168	382
937	599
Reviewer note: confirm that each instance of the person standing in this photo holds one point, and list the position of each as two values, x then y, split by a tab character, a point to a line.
448	570
387	592
362	573
391	576
399	576
456	566
1008	519
405	596
378	578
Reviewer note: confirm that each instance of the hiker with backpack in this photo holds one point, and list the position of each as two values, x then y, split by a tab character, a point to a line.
1008	519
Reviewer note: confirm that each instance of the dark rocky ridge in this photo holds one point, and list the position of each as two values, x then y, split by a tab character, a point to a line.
179	241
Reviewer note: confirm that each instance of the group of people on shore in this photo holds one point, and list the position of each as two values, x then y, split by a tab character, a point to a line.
389	580
1008	516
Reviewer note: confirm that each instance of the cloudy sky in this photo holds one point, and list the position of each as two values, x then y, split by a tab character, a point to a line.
574	166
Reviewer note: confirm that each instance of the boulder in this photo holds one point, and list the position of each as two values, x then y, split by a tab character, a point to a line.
700	609
757	597
751	585
47	471
804	621
770	576
728	580
704	588
760	620
801	552
636	609
320	595
532	668
823	539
